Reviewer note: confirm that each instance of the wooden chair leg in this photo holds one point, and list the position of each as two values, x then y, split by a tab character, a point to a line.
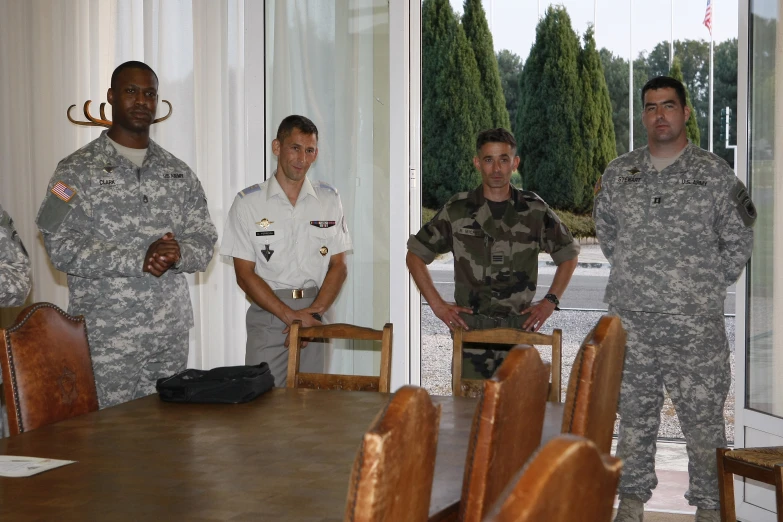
779	491
726	489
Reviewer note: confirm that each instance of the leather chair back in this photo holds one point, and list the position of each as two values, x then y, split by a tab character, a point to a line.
47	370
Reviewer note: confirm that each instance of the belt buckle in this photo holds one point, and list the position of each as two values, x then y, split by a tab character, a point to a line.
297	293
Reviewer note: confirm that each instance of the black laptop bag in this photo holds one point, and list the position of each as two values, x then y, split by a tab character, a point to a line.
224	385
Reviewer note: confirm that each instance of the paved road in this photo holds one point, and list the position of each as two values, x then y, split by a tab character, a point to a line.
585	291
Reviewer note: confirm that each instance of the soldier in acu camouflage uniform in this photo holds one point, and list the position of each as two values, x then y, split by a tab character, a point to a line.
14	265
495	233
675	223
126	220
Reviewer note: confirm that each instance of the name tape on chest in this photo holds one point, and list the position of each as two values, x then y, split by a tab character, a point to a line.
475	232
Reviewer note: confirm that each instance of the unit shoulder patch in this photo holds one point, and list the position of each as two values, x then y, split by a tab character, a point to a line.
744	205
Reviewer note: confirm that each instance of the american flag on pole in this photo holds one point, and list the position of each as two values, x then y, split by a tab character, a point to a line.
63	191
708	16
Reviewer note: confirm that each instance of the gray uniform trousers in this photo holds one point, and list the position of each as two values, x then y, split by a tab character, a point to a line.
128	364
265	340
689	355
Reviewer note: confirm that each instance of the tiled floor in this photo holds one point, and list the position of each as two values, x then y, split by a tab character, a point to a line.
671	466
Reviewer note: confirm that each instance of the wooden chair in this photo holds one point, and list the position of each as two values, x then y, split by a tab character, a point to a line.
594	386
762	464
47	370
393	470
332	381
506	430
472	387
568	479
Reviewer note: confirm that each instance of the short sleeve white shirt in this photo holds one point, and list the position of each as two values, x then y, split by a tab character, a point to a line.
290	244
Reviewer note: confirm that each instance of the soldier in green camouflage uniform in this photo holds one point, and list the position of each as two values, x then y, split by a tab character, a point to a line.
14	264
127	225
675	224
495	233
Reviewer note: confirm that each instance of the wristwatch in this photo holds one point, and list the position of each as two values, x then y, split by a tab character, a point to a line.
552	298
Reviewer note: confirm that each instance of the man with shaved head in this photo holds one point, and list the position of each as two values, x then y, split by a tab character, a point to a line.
126	220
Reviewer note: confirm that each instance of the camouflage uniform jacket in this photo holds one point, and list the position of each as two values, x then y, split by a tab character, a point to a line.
676	238
14	265
495	262
100	215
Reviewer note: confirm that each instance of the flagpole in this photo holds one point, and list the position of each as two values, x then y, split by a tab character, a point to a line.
630	76
671	37
711	78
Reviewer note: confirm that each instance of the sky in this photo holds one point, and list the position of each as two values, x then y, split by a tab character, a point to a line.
513	22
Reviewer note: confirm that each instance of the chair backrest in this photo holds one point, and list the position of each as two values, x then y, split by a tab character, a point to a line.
506	430
393	470
47	370
333	381
568	479
594	386
472	387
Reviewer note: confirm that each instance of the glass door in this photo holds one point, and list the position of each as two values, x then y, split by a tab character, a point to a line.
759	393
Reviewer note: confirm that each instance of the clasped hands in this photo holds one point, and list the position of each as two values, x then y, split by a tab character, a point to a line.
161	255
305	315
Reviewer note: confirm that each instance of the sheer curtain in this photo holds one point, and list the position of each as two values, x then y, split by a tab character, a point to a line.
54	54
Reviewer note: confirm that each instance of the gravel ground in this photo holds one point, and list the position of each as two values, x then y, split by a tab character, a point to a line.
436	360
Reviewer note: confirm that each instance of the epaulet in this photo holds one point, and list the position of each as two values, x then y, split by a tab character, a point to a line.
249	190
529	195
326	186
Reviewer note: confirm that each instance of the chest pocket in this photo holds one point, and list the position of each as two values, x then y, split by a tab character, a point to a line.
471	244
114	206
322	239
271	246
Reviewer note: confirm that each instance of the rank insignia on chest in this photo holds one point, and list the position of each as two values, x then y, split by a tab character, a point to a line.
267	253
264	223
655	200
109	168
634	171
323	250
323	224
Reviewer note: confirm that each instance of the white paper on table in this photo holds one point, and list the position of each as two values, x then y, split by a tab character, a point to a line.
14	466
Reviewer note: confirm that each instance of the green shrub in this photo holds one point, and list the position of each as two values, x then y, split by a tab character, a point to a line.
427	214
579	225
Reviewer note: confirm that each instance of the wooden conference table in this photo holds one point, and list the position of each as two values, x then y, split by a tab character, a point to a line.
286	456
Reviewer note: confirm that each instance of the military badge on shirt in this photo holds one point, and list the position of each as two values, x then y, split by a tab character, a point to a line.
264	223
323	224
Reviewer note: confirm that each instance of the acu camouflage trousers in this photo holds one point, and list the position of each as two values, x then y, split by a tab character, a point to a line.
688	355
128	363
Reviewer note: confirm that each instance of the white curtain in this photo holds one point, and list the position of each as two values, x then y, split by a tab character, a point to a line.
56	53
329	61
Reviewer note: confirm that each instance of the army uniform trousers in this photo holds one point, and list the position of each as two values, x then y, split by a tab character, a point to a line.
265	342
482	363
689	356
128	363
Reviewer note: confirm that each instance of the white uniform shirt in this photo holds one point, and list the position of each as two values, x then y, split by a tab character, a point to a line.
289	244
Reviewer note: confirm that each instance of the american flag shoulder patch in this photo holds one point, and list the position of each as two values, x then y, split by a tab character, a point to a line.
63	191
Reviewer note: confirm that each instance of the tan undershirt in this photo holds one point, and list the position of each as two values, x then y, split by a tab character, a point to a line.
135	156
662	163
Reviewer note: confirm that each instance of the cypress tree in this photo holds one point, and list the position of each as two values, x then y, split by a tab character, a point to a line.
453	108
548	126
474	22
692	127
597	127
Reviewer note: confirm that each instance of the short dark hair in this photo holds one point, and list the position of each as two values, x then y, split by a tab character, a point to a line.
133	64
289	123
499	135
665	82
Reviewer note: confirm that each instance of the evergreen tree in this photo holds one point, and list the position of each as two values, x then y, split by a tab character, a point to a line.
510	67
548	125
474	22
616	76
453	108
692	127
597	128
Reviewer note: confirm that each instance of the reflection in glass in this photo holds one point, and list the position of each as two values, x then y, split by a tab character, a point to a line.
764	361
